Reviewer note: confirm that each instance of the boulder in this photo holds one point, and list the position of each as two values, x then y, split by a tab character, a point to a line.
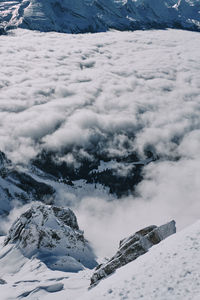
133	247
2	281
52	235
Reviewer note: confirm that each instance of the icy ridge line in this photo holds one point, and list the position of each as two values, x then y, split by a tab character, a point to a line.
82	16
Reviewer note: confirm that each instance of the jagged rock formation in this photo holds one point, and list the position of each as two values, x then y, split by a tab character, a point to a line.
16	184
52	234
99	15
133	247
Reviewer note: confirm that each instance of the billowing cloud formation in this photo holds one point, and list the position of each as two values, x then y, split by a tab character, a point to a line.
124	90
115	93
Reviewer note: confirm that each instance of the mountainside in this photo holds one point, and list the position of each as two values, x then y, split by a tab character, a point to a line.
169	271
99	15
132	247
18	187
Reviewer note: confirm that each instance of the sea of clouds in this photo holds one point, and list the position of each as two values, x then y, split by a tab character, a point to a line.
116	93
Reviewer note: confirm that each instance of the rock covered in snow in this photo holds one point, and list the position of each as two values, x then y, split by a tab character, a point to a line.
133	247
52	234
99	15
16	184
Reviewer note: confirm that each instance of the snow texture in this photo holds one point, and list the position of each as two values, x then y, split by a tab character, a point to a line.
99	15
169	271
132	247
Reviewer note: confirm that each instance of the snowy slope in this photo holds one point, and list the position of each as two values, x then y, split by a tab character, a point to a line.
99	15
17	187
169	271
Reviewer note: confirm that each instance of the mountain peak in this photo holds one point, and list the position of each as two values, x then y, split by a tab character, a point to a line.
52	234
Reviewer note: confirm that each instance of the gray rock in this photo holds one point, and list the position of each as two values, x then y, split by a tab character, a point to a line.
2	31
2	281
52	234
133	247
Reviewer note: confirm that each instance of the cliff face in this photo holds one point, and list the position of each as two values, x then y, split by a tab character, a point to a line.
99	15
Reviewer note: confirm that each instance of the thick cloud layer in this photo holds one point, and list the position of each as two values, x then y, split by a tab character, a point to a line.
116	90
117	93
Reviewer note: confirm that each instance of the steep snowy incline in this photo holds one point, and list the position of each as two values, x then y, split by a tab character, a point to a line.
169	271
99	15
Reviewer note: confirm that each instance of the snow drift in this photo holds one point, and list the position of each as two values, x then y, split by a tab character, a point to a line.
99	15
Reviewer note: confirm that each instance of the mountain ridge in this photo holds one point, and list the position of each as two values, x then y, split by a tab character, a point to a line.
99	15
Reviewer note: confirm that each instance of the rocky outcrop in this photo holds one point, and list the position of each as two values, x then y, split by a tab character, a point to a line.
52	234
2	281
2	31
133	247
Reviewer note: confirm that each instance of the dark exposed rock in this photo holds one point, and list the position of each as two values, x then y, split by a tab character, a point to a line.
52	234
118	184
66	216
30	185
17	184
133	247
2	31
2	281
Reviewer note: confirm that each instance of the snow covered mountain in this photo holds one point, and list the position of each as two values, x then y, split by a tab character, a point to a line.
99	15
169	270
16	186
51	234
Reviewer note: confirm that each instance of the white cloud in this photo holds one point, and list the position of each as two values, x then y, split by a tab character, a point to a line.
118	91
